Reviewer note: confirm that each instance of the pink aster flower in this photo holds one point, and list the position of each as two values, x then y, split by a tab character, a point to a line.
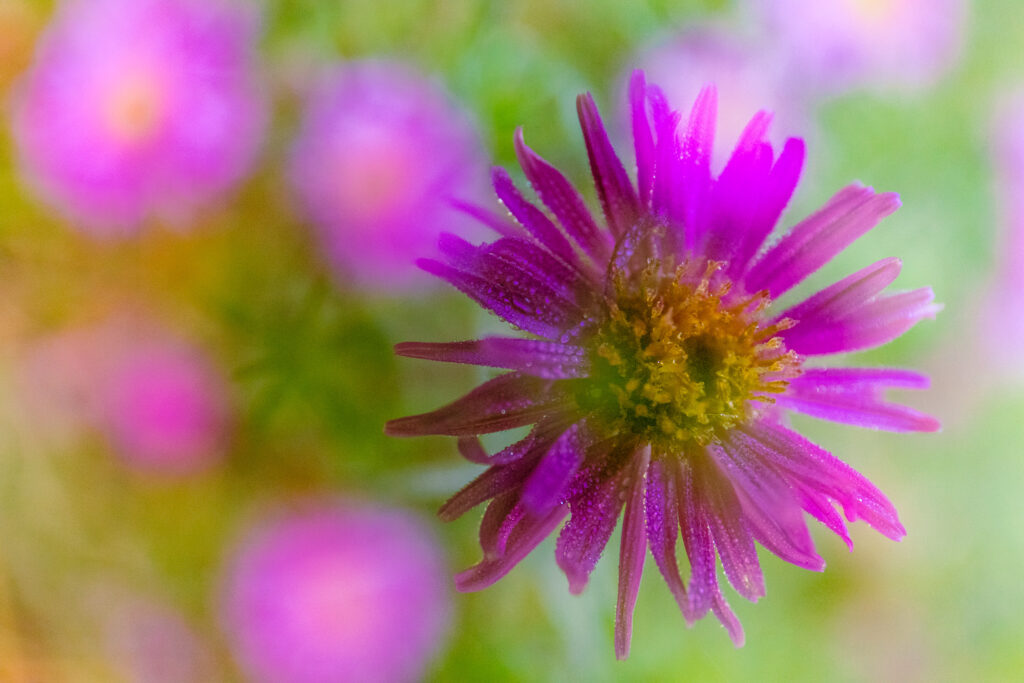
337	593
883	43
163	406
658	370
136	109
379	151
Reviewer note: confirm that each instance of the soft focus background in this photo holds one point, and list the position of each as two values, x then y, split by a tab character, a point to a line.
206	215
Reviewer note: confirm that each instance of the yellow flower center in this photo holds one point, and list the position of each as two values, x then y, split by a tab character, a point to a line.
677	362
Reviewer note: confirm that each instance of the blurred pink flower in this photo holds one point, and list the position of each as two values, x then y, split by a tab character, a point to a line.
159	401
337	593
135	109
840	44
380	151
747	72
164	408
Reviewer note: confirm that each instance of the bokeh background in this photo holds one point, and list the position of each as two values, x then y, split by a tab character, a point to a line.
187	370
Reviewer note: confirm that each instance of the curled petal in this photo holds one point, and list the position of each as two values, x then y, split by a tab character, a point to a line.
813	242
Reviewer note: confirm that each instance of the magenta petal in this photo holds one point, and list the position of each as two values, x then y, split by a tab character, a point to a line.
693	521
632	553
724	514
531	312
614	189
813	242
546	359
498	521
843	297
547	484
772	513
500	224
695	171
854	396
561	197
530	217
872	324
506	402
527	535
777	189
643	139
584	537
493	482
663	530
821	471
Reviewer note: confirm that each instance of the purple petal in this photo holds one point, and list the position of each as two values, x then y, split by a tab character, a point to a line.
813	242
562	199
506	402
643	139
820	507
663	530
614	189
771	511
547	484
843	297
854	396
700	549
695	170
528	310
540	437
493	482
819	470
632	553
664	198
872	324
527	534
530	217
595	511
735	546
546	359
499	520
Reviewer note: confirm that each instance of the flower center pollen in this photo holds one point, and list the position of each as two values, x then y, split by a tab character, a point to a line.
677	361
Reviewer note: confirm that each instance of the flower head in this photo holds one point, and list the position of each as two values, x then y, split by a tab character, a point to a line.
380	151
337	592
659	372
136	109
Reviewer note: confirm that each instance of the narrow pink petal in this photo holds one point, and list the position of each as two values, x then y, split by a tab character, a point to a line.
771	511
643	139
875	323
854	396
813	242
530	311
539	439
819	470
547	484
594	513
663	529
693	520
493	482
551	360
526	536
724	513
632	553
695	176
562	199
820	507
667	166
498	521
530	217
614	189
506	402
841	298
